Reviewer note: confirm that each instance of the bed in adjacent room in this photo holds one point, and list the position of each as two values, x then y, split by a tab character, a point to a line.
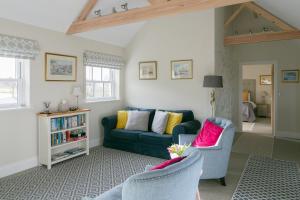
248	107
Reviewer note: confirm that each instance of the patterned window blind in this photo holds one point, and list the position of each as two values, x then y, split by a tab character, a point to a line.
95	59
11	46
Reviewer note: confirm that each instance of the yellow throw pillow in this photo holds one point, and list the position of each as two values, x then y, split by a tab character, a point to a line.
122	119
174	119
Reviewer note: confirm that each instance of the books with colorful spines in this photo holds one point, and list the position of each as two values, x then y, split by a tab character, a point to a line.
64	137
53	125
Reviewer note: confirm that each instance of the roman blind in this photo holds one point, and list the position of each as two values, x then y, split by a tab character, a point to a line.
17	47
96	59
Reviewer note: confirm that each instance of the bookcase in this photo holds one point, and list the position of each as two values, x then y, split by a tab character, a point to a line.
63	136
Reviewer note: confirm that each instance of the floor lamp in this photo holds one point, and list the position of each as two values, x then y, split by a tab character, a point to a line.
213	81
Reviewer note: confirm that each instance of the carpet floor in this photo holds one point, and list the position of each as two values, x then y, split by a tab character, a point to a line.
265	178
89	176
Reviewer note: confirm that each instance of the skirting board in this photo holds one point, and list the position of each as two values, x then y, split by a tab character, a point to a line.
16	167
288	135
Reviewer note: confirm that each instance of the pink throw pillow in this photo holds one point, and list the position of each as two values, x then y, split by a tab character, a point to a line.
167	163
208	135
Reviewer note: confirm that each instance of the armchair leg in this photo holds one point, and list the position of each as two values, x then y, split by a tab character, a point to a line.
222	181
198	195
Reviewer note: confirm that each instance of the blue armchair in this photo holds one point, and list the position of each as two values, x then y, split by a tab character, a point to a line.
216	157
177	182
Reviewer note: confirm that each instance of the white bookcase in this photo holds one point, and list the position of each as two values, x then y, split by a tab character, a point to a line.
63	136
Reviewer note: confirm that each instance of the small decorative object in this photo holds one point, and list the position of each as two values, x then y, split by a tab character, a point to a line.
73	108
98	12
76	92
114	10
213	81
47	107
60	67
181	69
290	76
63	106
125	6
177	150
266	79
148	70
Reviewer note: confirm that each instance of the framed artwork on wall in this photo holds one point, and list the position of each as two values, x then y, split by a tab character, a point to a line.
290	76
266	79
181	69
148	70
60	67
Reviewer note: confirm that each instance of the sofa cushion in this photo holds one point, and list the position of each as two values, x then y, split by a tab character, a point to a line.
137	120
122	118
151	116
160	121
174	120
125	134
155	139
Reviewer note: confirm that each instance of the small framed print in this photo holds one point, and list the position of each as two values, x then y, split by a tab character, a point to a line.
290	76
60	67
266	79
181	69
148	70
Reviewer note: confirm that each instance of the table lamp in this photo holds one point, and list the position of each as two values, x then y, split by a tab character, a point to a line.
76	92
213	81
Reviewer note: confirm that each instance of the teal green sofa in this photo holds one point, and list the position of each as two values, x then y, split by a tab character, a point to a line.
147	143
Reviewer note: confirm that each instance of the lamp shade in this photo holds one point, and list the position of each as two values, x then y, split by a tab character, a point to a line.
76	91
213	81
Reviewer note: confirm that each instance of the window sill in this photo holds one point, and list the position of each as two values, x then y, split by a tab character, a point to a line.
17	108
101	100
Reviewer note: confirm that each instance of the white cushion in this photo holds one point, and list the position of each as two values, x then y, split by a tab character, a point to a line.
137	120
160	122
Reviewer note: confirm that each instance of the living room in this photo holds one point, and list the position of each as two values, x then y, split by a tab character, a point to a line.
138	58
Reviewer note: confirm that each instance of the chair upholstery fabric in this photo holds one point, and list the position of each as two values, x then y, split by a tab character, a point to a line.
177	182
147	142
216	158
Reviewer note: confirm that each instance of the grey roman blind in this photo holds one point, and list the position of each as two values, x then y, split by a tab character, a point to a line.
11	46
96	59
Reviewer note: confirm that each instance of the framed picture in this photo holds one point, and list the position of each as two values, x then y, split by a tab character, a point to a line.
266	79
290	76
181	69
148	70
60	67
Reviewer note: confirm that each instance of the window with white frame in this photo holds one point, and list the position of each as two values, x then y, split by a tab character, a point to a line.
13	82
102	83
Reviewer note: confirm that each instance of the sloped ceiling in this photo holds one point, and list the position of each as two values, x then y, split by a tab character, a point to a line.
57	15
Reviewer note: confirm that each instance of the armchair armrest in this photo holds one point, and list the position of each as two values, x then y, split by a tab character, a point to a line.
110	122
190	127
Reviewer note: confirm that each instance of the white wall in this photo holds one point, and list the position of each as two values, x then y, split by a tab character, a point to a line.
285	55
187	36
254	72
18	130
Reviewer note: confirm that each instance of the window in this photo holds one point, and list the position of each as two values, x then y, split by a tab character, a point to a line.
13	82
102	83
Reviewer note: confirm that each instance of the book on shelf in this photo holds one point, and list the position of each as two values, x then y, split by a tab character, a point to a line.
62	123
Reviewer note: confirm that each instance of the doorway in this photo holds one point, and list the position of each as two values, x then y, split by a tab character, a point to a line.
257	99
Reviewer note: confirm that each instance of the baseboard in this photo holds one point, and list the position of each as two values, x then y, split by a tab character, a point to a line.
288	135
94	142
16	167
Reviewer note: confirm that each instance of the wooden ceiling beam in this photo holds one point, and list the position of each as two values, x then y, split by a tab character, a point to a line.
149	12
234	15
269	16
261	37
86	10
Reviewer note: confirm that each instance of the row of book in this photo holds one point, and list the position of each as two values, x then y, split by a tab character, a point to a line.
67	153
62	123
67	136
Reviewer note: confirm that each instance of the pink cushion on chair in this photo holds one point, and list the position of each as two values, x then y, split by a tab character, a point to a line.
167	163
208	135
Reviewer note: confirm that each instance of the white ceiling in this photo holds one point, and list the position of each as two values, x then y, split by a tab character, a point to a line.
57	15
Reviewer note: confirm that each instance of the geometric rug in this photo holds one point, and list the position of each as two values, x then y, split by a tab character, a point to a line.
83	176
265	178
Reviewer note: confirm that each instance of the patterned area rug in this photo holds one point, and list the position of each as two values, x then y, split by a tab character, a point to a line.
265	178
73	179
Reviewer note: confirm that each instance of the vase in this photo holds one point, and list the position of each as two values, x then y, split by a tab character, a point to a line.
173	155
